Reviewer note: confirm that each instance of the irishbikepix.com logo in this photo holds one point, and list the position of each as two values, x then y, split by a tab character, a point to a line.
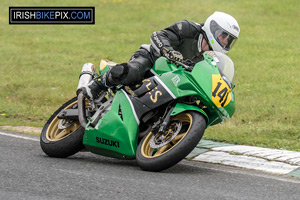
51	15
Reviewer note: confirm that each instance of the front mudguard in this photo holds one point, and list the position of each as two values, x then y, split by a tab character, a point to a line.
181	107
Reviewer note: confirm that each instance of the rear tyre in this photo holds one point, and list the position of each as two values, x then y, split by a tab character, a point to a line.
192	128
62	137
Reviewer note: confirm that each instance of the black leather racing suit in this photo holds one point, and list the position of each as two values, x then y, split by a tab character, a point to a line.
182	36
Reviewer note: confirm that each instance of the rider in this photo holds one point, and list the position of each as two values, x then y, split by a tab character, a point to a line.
183	39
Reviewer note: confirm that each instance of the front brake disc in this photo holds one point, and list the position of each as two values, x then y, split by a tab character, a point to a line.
63	123
159	140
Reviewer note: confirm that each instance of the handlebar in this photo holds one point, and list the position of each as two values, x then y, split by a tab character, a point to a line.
186	64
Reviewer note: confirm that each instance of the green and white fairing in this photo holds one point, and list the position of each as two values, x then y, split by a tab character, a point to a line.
211	81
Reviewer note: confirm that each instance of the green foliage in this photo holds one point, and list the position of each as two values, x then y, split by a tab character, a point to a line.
40	64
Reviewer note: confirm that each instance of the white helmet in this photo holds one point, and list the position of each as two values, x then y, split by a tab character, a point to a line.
222	31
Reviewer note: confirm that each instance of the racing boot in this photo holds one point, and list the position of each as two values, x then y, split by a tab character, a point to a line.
93	89
111	78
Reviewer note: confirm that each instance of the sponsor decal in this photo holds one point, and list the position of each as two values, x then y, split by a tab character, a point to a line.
200	42
153	93
179	26
157	40
176	80
212	54
107	142
234	27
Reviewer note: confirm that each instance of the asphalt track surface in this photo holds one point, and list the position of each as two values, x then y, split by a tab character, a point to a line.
27	173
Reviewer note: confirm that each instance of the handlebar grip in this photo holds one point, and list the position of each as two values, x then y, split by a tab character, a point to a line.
177	63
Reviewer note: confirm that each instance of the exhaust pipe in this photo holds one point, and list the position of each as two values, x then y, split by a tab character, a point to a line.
85	77
81	110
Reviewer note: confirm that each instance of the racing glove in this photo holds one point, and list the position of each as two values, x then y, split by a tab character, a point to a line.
172	54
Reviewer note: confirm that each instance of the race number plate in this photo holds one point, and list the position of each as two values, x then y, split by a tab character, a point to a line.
220	91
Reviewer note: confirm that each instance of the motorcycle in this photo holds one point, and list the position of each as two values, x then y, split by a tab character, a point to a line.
157	122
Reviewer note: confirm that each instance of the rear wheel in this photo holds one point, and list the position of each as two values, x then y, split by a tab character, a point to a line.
156	153
62	137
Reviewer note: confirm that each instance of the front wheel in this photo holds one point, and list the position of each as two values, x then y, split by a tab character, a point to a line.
154	154
62	137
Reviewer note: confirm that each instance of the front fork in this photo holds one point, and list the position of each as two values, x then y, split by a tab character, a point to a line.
174	108
160	126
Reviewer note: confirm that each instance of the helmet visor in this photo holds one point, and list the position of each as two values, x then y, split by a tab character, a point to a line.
224	38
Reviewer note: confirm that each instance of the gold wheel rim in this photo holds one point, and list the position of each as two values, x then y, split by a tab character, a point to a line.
148	152
55	134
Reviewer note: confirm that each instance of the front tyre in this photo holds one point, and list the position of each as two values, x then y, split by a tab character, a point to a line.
62	137
192	126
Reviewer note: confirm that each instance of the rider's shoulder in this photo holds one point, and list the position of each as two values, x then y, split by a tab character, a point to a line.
187	23
190	24
196	24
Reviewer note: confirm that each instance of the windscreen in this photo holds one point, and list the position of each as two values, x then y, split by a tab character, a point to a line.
225	66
